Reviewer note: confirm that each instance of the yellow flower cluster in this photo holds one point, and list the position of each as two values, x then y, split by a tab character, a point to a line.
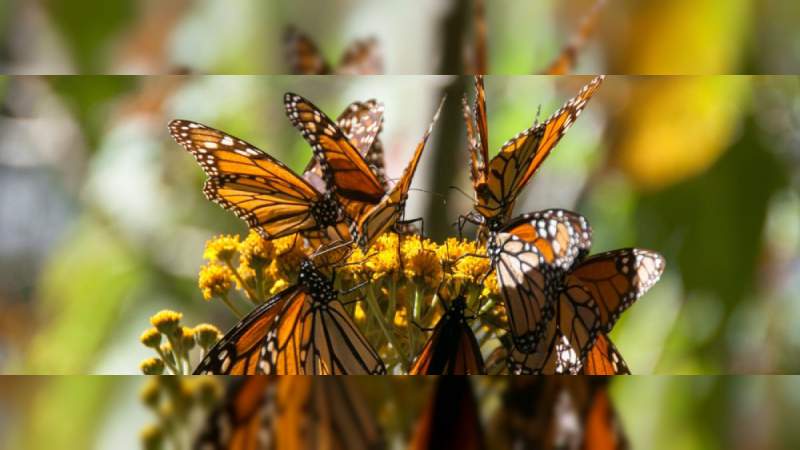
174	354
394	289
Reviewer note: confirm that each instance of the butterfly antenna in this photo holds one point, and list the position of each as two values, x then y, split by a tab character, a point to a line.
456	188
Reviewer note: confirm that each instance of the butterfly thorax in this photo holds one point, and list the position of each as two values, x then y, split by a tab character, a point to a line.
327	211
316	284
457	310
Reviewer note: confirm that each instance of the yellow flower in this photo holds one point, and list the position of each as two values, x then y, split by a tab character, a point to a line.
152	366
221	248
206	335
187	339
290	251
207	390
420	261
401	317
166	322
278	286
358	313
151	392
255	251
215	280
152	437
150	338
490	286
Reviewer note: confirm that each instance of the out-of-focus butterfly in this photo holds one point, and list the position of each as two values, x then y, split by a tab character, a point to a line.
559	413
372	209
261	190
451	419
303	330
565	60
588	299
237	422
452	348
362	57
602	429
291	413
499	181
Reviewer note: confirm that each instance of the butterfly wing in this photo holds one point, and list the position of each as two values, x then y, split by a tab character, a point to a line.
344	170
521	156
615	279
452	349
302	55
361	122
527	254
389	210
565	61
271	198
605	359
314	335
324	413
451	419
478	135
237	423
239	351
362	57
602	428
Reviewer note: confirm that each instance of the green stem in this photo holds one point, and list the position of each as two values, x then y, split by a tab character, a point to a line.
260	285
231	306
375	310
167	361
250	294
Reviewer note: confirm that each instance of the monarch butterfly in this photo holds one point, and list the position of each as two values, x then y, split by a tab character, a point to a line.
588	300
451	420
605	359
602	429
362	57
302	330
452	348
565	60
551	413
291	413
261	190
526	256
362	123
499	181
372	209
237	423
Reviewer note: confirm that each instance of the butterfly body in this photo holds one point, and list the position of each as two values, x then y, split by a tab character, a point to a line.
452	348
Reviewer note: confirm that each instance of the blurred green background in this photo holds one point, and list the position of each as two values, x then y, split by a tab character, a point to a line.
103	220
657	413
244	36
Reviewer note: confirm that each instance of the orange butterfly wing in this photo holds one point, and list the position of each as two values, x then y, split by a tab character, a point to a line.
451	420
238	422
521	156
452	348
389	210
605	359
259	189
239	351
314	335
525	255
344	170
616	279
